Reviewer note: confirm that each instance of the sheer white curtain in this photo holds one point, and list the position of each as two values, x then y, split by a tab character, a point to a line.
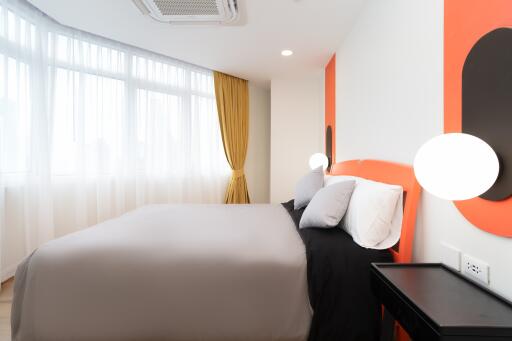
91	128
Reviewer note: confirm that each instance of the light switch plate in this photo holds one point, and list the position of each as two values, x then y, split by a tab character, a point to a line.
450	256
475	268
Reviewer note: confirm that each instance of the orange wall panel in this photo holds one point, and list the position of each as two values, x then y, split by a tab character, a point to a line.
465	22
330	101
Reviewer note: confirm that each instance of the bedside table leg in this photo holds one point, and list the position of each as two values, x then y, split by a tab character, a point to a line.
387	331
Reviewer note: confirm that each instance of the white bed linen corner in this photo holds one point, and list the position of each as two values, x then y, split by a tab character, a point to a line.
169	272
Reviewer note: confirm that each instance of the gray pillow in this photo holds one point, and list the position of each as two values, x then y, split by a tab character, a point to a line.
307	187
328	205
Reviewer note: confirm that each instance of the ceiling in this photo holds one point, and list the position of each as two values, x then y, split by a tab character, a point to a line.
313	29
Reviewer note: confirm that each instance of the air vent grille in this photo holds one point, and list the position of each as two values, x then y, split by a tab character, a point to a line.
190	11
187	7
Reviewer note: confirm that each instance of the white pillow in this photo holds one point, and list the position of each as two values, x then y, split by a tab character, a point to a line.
328	205
374	214
307	187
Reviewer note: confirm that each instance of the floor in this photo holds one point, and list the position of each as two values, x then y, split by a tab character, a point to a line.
5	310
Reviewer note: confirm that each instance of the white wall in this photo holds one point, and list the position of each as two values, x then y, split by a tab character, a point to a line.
389	101
297	118
257	162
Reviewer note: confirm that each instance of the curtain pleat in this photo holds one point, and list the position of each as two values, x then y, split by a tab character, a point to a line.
232	96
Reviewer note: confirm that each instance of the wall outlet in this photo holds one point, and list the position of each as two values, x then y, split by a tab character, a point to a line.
450	256
475	268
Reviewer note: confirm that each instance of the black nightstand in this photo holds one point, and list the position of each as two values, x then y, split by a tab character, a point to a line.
433	302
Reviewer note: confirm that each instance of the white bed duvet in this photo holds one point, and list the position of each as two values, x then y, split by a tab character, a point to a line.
169	272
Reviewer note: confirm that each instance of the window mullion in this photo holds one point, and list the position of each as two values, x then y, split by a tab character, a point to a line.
130	102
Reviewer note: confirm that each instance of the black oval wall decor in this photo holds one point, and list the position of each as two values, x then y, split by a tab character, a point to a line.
328	145
487	102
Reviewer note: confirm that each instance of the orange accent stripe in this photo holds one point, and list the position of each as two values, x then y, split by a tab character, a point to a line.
465	22
330	101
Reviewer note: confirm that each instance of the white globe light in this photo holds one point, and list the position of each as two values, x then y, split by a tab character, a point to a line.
318	159
456	166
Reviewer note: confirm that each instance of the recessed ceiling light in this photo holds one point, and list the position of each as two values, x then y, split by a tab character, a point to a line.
286	53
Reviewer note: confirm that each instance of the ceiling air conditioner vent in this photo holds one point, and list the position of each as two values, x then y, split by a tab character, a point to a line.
190	11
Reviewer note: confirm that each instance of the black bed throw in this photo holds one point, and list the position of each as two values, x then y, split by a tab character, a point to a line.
340	292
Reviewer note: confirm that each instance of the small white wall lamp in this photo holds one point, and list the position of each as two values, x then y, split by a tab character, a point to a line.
318	159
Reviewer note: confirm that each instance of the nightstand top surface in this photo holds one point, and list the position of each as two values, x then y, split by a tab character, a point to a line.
446	297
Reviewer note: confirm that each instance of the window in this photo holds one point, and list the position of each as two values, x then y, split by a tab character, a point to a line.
91	128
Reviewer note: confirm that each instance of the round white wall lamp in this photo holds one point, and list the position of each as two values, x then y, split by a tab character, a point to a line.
456	166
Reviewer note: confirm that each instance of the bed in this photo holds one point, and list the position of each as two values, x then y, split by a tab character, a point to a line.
209	272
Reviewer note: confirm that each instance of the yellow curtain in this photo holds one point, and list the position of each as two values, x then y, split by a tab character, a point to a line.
232	96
